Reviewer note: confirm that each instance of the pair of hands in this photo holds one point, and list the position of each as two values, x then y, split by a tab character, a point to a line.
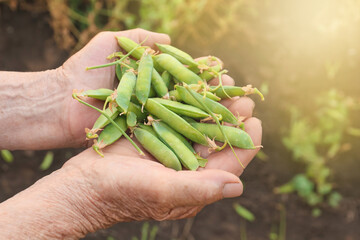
123	186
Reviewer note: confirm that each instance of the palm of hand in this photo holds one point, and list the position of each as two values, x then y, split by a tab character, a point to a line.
133	187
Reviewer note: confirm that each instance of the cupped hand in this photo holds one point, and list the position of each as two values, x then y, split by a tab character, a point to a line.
77	116
124	186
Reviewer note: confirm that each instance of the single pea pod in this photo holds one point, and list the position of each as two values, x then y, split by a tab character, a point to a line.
127	44
212	96
110	134
118	71
215	107
158	84
157	148
102	121
183	109
180	55
148	128
124	90
140	115
131	119
175	121
233	91
186	157
166	76
143	83
101	93
175	68
174	95
236	136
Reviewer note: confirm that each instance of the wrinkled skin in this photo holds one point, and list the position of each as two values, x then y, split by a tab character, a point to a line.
89	192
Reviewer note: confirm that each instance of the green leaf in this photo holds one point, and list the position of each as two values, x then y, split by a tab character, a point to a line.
334	199
286	188
316	212
7	156
324	188
303	185
145	231
47	161
244	213
153	232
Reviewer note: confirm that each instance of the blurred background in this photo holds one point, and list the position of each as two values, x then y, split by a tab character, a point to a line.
303	55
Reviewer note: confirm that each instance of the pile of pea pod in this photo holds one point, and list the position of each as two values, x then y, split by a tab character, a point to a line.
164	101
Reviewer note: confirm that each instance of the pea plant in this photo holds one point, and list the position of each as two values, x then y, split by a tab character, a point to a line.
315	140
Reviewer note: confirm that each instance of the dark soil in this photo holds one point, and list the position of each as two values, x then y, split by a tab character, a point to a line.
26	44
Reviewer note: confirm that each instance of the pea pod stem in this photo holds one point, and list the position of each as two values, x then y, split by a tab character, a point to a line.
220	85
74	95
117	61
216	120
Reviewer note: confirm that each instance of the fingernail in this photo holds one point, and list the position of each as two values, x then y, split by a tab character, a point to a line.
231	190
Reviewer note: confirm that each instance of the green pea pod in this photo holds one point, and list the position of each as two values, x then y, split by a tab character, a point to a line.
166	76
208	74
233	91
215	107
158	84
124	90
157	148
179	136
183	109
143	83
236	136
152	92
110	134
175	68
101	93
131	119
175	95
140	115
180	55
186	157
102	121
128	44
118	71
212	96
175	121
148	128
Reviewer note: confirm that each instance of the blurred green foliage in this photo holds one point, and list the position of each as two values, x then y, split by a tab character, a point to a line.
147	233
7	156
315	140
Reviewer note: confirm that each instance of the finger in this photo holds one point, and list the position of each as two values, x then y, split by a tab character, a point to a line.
196	188
226	81
242	107
225	160
210	61
139	35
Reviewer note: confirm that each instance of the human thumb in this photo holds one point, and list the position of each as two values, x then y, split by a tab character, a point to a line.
191	188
